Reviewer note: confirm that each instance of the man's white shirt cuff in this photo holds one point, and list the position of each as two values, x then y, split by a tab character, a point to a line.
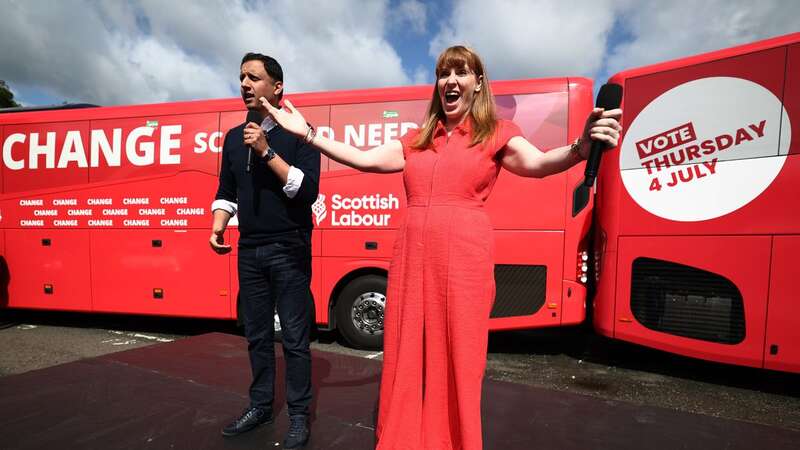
225	205
293	181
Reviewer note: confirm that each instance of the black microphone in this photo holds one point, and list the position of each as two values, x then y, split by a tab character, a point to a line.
252	116
609	97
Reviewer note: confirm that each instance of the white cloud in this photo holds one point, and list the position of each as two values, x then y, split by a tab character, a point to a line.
422	76
539	38
141	51
667	30
530	39
412	14
150	51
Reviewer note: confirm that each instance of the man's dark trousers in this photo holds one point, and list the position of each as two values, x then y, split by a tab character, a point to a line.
278	274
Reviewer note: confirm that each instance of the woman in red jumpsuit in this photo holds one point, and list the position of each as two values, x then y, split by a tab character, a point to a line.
441	278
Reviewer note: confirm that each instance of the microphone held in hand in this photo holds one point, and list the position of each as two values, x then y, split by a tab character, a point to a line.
609	97
252	116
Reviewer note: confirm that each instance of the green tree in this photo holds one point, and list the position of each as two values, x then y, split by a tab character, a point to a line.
6	96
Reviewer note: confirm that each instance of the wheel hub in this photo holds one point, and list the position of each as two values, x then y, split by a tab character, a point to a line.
367	313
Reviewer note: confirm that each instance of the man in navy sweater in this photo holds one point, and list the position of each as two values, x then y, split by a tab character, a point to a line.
271	178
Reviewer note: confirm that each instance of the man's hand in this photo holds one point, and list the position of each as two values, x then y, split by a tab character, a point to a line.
255	137
217	242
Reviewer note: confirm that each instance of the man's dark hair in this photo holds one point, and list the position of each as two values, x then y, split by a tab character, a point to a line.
271	65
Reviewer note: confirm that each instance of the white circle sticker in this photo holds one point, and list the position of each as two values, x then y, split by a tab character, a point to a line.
705	148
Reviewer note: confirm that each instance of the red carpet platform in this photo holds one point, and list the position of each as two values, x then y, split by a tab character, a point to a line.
179	395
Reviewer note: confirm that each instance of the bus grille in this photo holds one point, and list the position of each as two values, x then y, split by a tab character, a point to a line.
520	290
686	301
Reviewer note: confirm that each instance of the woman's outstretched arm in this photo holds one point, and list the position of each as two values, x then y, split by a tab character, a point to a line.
384	158
524	159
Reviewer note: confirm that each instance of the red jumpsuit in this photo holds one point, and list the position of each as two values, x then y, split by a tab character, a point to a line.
440	293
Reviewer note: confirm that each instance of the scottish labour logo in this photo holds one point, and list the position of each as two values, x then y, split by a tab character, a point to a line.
319	209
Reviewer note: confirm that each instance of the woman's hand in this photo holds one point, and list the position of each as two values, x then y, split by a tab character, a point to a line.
288	117
601	125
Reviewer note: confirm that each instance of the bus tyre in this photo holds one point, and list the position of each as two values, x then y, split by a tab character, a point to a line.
359	312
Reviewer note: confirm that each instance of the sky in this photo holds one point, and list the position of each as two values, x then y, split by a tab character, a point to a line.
111	52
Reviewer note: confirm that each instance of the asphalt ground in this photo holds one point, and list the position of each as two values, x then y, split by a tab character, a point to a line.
565	359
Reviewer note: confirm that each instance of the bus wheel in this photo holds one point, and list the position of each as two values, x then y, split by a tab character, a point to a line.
359	312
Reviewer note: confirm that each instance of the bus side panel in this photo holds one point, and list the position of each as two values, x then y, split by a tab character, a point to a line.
783	321
735	148
791	101
48	146
680	295
3	260
360	203
2	169
48	269
604	301
3	270
520	203
159	241
526	249
345	243
529	218
130	266
374	244
367	125
781	351
159	145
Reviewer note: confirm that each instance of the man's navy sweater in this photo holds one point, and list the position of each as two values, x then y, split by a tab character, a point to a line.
265	212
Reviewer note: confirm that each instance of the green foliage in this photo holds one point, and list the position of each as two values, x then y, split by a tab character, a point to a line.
6	96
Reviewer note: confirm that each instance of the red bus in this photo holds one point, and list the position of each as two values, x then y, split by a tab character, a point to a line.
696	215
107	209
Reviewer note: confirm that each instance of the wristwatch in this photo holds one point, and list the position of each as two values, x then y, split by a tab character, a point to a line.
269	155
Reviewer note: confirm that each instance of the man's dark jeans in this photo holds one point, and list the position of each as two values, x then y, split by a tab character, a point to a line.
278	274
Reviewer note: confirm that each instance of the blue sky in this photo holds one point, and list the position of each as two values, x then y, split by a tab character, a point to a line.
143	51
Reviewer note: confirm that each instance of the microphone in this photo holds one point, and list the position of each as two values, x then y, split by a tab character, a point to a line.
609	97
252	116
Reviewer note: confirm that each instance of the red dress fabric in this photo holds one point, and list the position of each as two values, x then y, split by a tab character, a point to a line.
440	293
